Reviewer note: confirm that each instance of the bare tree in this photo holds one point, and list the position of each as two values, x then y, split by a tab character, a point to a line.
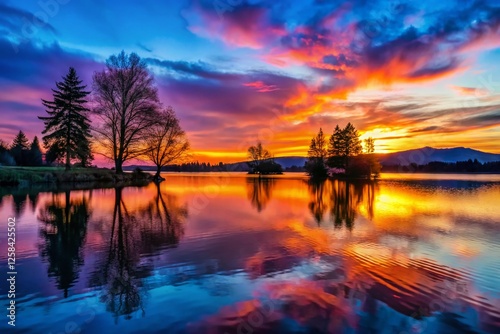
257	154
126	102
166	141
261	161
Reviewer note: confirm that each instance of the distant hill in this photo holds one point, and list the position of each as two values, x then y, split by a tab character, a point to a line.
419	156
286	162
427	154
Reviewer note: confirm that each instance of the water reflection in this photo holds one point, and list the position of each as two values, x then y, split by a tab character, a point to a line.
163	221
259	192
342	199
135	233
304	257
63	229
119	275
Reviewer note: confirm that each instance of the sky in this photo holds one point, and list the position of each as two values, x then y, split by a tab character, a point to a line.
407	73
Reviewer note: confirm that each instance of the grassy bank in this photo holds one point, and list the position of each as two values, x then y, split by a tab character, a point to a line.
19	176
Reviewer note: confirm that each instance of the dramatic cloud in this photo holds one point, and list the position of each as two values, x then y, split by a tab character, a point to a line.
28	75
405	73
356	48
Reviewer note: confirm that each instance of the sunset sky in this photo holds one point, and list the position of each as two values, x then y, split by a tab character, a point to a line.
410	73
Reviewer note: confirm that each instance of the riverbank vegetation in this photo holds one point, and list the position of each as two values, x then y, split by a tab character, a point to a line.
27	176
469	166
125	121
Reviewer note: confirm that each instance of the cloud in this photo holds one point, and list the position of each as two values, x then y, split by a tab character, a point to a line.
280	70
18	21
354	49
261	87
200	69
242	26
145	48
471	91
227	107
28	76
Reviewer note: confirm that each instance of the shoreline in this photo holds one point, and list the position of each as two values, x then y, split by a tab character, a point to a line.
53	176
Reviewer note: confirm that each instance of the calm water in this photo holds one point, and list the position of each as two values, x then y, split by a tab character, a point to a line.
211	253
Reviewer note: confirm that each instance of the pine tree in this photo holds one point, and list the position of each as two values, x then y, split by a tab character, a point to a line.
35	154
67	127
6	158
316	155
20	149
344	143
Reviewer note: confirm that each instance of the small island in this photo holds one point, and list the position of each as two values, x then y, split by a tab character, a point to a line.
342	155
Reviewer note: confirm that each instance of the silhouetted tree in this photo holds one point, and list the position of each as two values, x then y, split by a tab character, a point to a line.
166	141
20	149
317	155
261	161
52	155
5	156
368	161
369	145
344	143
257	154
35	154
67	128
126	104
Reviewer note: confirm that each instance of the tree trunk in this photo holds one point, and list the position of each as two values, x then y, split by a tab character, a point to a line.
68	141
68	164
118	166
157	175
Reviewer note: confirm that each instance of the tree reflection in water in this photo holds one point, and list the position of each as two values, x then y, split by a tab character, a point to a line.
342	198
163	222
259	192
19	203
63	229
134	234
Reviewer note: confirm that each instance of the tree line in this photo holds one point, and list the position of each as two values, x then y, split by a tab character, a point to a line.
469	166
196	167
121	118
21	152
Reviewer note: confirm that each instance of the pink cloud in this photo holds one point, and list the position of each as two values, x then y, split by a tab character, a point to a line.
261	87
242	27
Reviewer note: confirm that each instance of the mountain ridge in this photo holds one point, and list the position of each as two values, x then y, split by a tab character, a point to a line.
420	156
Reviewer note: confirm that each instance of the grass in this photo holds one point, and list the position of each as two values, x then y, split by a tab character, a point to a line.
33	175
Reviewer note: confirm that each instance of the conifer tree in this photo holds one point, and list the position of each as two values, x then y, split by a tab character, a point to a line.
316	155
67	127
344	143
35	154
20	149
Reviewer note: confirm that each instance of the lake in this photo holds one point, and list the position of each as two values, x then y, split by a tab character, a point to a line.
230	253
